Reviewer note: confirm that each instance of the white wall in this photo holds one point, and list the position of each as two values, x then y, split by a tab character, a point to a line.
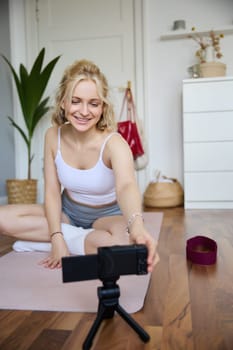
167	63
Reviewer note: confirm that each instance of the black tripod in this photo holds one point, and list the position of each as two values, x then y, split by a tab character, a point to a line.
108	303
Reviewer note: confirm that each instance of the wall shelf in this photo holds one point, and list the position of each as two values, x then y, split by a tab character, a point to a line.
183	34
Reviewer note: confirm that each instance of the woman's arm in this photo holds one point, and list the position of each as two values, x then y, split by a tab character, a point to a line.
129	197
53	201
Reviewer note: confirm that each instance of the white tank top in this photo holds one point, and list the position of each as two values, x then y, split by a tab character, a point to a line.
95	186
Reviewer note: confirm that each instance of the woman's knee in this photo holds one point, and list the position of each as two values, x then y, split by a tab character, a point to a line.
11	217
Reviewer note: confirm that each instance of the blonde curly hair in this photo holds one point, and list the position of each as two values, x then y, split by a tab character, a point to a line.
78	71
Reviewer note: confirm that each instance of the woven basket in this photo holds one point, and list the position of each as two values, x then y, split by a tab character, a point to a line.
164	194
212	69
22	191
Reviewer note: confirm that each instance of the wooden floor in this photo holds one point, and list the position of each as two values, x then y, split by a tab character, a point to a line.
187	306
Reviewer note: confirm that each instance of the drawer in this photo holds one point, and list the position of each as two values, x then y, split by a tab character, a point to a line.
208	186
208	96
217	156
211	126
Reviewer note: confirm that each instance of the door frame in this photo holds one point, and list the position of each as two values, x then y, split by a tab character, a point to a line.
24	46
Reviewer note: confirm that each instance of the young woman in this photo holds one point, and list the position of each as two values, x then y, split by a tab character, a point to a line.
91	195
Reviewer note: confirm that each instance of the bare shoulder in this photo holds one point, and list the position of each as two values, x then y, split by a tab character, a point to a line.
51	138
51	132
51	135
116	139
118	146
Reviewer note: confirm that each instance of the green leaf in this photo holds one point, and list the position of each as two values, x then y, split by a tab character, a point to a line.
24	100
38	63
20	131
16	79
43	78
40	111
34	80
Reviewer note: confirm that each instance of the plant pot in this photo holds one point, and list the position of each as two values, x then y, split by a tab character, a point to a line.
22	191
212	69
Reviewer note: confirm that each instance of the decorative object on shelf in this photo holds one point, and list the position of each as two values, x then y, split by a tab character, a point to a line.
179	24
30	88
194	71
209	46
208	52
212	69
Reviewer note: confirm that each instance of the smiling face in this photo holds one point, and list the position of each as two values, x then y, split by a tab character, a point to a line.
85	108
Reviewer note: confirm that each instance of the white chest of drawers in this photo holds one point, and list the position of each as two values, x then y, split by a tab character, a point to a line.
208	142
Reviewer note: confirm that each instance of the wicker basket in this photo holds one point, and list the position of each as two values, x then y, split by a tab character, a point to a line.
212	69
22	191
164	194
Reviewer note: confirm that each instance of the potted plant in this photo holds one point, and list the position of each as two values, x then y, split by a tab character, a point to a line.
208	53
30	88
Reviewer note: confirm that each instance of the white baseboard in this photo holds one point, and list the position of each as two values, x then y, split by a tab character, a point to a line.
3	200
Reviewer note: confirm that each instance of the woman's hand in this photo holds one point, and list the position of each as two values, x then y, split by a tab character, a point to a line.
59	249
143	237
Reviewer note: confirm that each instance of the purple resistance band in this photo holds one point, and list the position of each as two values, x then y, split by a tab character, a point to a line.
201	250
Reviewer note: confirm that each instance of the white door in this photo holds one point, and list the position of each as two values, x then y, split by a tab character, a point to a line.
100	30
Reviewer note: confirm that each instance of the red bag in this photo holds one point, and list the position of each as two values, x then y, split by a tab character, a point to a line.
128	128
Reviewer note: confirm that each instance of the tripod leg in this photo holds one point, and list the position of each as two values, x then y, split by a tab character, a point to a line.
138	329
94	328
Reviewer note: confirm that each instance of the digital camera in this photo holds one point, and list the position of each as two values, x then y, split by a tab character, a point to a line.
109	263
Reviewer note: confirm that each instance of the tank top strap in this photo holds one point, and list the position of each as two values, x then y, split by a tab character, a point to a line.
59	138
105	141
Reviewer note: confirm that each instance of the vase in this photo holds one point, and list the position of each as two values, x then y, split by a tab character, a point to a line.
209	54
212	69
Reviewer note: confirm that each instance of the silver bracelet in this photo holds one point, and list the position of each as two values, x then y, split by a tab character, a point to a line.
131	220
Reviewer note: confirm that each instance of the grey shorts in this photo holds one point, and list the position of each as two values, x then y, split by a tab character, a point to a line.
84	216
